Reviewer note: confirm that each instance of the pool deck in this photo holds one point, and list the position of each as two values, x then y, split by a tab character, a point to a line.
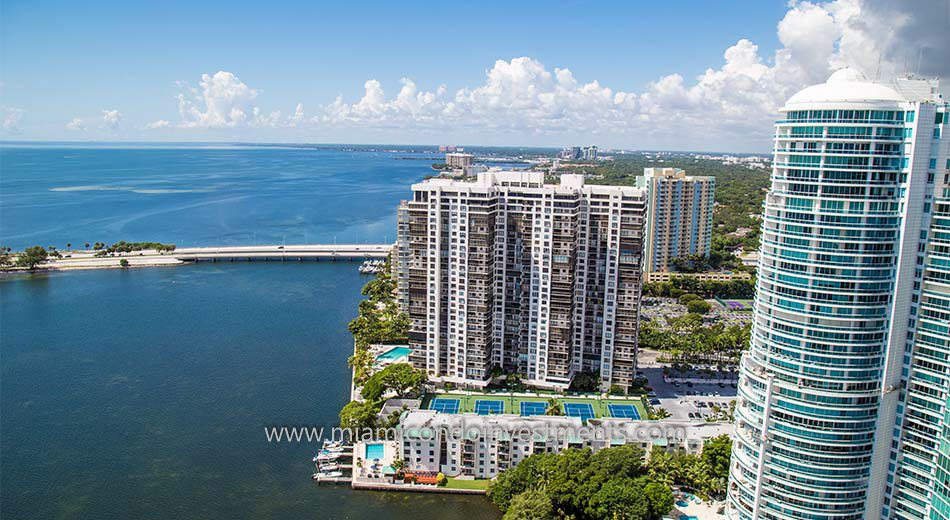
362	472
704	511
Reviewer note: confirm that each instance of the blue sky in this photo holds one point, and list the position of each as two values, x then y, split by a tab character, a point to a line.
111	69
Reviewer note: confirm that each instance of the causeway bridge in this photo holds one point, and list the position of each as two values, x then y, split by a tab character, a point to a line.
282	253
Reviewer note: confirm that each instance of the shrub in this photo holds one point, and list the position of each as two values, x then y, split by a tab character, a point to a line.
688	297
698	307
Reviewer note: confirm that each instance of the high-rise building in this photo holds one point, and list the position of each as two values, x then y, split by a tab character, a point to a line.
940	502
572	153
590	153
679	216
459	160
508	272
919	472
842	395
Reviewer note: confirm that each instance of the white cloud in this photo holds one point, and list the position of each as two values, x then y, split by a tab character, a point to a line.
111	119
298	116
728	104
740	98
161	123
76	124
12	117
223	101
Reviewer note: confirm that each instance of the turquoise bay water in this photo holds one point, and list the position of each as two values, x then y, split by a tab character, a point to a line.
144	393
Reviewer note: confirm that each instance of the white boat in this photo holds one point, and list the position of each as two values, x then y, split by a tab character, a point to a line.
327	457
329	474
329	467
332	444
334	449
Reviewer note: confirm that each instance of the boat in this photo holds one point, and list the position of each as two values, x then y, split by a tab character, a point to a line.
327	457
332	444
328	474
371	266
329	467
337	449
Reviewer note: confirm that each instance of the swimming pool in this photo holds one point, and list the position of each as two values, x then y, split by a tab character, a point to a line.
375	451
394	354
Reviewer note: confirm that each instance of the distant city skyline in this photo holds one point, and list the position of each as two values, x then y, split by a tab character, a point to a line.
700	76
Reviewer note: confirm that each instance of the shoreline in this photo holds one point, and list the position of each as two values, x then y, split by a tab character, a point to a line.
107	263
86	259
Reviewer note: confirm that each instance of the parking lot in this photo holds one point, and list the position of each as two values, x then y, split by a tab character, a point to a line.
689	403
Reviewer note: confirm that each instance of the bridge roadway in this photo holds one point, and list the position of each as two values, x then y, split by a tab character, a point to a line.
288	252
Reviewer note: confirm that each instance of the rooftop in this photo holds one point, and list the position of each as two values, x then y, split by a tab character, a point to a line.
495	179
674	173
850	85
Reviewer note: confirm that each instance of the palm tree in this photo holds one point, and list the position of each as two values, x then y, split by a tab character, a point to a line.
554	407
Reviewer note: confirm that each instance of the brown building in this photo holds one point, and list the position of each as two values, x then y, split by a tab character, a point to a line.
508	272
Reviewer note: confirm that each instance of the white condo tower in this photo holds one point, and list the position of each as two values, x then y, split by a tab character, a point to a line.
842	398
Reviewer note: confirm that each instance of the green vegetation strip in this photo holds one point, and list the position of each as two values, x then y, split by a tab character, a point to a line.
454	483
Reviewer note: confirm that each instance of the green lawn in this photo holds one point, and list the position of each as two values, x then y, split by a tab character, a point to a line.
454	483
513	403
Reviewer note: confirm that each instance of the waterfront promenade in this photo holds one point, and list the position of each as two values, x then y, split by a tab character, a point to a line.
275	253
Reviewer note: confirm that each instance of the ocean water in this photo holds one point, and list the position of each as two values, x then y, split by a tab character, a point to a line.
144	393
202	196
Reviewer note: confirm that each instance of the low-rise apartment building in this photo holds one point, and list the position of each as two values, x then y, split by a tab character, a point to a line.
481	446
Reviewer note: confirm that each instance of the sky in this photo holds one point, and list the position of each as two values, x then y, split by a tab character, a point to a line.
683	75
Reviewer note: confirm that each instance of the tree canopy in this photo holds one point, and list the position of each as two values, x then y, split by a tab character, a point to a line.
31	257
610	484
698	306
743	289
379	319
400	378
688	339
530	505
359	415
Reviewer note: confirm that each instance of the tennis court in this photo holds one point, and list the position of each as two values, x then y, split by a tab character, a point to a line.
533	408
624	411
443	405
489	407
582	410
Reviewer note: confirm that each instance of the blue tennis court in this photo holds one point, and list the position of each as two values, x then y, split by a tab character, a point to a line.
489	407
442	405
583	410
533	408
624	411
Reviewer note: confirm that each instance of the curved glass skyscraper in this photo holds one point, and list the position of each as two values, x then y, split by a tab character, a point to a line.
844	235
